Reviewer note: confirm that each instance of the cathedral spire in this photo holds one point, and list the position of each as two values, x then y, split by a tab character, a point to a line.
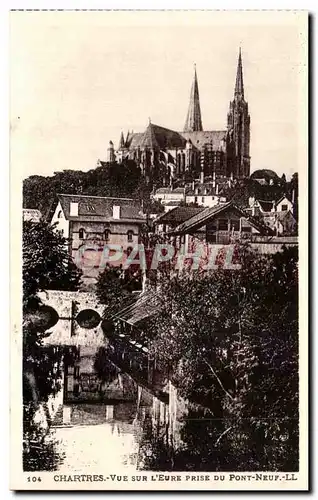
194	122
121	141
239	86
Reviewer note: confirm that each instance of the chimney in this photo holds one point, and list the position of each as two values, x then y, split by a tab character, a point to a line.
192	185
116	212
73	209
213	180
202	177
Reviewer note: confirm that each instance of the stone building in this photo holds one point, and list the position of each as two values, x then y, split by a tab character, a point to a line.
90	223
165	155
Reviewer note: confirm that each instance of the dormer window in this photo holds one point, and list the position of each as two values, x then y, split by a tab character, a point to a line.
73	209
116	212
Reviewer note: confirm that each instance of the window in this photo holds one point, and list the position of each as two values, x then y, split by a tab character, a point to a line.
129	250
223	225
59	215
107	235
195	199
81	234
284	208
62	231
130	235
202	199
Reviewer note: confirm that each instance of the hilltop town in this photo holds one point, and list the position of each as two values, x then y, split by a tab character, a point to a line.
164	280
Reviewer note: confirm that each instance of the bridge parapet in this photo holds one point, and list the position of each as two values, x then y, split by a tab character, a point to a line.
69	329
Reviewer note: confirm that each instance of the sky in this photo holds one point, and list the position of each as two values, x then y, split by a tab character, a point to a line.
77	79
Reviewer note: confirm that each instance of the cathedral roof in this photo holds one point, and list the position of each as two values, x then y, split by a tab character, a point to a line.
200	139
133	140
156	137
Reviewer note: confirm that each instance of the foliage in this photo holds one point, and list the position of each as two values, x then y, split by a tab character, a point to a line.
46	264
106	371
230	342
39	448
243	189
46	260
110	179
115	287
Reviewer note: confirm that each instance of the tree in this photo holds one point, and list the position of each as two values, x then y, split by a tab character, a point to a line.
110	179
115	287
105	369
46	260
46	264
229	340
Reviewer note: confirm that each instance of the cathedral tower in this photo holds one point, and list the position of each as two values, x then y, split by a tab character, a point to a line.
194	121
238	129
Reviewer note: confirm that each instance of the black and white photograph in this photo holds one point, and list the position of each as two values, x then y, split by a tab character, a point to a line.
159	250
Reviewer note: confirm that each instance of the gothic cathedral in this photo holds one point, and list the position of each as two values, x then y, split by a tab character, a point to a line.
169	157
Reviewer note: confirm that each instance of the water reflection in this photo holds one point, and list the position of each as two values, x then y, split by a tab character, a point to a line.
97	419
101	436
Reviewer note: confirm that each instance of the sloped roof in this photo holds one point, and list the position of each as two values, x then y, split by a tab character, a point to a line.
162	138
200	139
208	214
281	216
133	140
168	190
266	205
173	203
282	198
99	207
178	215
146	306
